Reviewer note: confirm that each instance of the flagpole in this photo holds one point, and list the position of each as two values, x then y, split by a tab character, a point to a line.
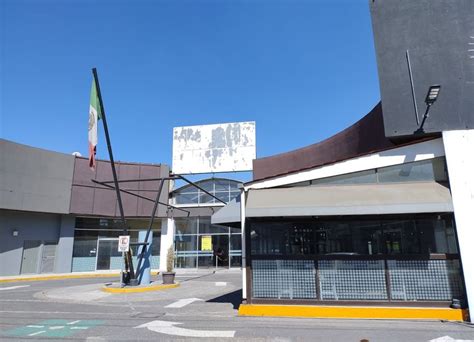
114	172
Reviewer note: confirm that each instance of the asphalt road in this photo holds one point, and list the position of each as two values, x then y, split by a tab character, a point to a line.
203	308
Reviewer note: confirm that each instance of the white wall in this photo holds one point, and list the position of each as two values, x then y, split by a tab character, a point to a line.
167	237
459	148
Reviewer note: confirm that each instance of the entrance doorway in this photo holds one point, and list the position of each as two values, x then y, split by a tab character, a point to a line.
47	256
38	256
218	256
107	251
29	263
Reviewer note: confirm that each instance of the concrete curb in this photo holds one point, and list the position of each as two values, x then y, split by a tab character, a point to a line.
139	289
352	312
59	277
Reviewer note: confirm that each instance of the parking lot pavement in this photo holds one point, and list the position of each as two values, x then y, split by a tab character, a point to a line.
204	307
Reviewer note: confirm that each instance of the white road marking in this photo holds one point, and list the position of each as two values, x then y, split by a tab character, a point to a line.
56	327
79	328
13	287
221	283
67	312
37	333
182	302
169	328
35	326
448	339
73	322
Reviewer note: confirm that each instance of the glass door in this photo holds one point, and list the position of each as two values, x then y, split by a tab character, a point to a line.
108	254
217	255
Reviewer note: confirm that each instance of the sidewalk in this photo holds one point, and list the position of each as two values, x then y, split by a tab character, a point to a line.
101	274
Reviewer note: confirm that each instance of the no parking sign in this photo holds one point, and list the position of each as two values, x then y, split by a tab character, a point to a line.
124	243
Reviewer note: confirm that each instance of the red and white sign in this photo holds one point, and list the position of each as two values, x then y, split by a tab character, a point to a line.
124	243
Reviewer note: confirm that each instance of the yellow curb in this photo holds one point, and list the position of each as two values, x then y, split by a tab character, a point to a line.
58	277
139	289
352	312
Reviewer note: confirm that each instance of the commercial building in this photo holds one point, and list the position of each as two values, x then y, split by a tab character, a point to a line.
55	219
380	214
356	220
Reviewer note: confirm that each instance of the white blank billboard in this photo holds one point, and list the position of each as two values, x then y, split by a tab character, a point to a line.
214	148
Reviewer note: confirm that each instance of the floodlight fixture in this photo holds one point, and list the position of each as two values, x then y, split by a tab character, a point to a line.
431	98
432	95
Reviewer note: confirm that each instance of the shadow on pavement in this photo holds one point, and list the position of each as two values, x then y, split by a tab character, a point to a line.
235	298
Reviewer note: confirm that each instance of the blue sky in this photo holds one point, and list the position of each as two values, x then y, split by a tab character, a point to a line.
303	70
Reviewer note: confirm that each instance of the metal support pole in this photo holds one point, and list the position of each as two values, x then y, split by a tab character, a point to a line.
421	129
112	164
203	190
140	196
152	218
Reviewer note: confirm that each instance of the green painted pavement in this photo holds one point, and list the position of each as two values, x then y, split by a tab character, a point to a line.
53	328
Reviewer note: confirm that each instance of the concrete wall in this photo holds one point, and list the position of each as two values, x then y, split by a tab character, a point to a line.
459	146
167	241
65	244
439	36
33	179
30	226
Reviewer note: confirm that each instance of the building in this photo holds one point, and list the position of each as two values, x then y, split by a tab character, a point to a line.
381	213
55	219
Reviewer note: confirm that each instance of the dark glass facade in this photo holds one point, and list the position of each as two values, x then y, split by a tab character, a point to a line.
402	235
399	258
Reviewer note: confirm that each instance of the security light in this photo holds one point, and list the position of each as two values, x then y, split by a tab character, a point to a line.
432	95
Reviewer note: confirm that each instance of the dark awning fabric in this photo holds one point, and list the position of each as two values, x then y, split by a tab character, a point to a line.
368	199
228	215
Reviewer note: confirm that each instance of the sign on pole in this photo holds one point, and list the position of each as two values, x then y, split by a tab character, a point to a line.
124	243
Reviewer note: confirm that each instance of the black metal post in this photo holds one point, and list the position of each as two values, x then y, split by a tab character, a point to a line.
114	172
139	196
152	218
141	180
421	130
203	190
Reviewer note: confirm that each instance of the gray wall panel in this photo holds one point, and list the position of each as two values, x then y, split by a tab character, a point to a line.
30	226
33	179
65	245
439	35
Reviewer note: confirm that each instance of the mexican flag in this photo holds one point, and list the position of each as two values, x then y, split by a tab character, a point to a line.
94	117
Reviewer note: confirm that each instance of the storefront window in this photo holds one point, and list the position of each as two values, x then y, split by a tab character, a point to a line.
96	243
207	246
352	259
420	171
186	226
224	189
354	237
